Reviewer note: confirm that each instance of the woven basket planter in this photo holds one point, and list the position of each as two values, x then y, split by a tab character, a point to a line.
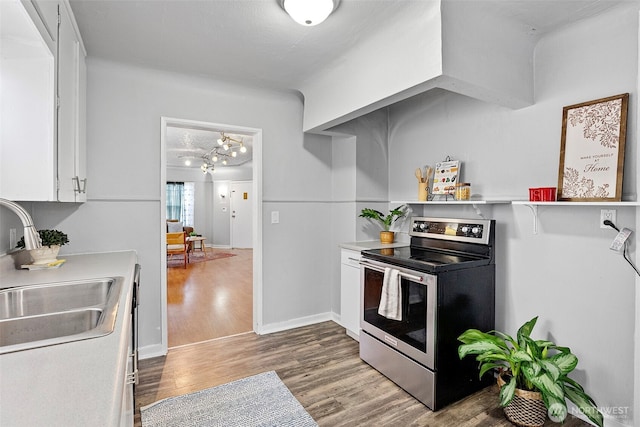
527	408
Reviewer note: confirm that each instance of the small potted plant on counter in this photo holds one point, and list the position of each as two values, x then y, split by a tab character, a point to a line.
532	376
386	236
52	240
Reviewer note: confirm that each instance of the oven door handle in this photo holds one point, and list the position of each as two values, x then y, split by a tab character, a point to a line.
381	270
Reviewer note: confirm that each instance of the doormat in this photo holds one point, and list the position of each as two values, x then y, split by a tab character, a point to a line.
261	400
196	257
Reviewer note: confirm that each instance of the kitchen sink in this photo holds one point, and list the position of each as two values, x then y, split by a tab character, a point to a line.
57	313
54	297
28	329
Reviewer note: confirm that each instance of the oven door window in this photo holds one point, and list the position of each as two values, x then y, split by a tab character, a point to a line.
412	328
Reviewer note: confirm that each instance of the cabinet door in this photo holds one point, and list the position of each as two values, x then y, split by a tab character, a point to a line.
71	94
127	407
350	292
47	11
27	106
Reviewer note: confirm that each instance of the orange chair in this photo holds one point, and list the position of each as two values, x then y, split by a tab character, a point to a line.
176	245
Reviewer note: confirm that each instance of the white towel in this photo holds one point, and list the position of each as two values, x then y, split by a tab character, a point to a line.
391	298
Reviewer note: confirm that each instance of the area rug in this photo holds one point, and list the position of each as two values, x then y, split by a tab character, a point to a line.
261	400
196	257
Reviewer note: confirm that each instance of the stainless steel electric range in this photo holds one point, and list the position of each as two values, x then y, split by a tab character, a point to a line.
417	300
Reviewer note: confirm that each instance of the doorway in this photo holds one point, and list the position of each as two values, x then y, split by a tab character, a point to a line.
241	214
201	274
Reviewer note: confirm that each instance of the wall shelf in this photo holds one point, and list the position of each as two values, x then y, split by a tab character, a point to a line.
531	205
534	207
474	203
622	204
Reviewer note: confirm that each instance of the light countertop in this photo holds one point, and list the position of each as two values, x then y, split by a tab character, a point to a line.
371	244
78	383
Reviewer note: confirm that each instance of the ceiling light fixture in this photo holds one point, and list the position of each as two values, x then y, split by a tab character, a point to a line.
226	148
309	12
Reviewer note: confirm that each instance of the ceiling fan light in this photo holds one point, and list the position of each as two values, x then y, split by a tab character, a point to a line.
234	154
226	147
214	159
243	149
220	141
309	12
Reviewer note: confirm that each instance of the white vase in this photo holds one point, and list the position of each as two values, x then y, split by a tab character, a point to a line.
44	255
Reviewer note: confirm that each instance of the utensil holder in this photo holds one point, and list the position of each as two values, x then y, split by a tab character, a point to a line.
423	191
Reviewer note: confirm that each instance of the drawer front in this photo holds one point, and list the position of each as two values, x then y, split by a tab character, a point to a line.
350	257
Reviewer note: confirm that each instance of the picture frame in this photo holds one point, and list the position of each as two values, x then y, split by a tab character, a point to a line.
592	150
445	177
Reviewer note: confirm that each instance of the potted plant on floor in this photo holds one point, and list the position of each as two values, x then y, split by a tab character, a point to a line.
52	240
532	376
386	236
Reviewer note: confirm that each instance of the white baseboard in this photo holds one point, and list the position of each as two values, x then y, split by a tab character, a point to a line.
353	335
296	323
157	350
150	351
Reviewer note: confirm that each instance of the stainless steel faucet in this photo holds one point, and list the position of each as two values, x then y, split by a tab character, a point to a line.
31	237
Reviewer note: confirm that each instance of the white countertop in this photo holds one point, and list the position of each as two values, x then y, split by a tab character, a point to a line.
371	244
73	384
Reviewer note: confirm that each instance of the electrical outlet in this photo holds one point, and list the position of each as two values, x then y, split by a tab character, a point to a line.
13	238
607	214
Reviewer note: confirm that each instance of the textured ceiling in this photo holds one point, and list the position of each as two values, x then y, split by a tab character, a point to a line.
197	146
254	42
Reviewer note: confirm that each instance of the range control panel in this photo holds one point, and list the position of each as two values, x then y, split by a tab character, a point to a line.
465	230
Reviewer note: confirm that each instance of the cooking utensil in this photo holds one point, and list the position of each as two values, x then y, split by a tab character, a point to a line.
419	175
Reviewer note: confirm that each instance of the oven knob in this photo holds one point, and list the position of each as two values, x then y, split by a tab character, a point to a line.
475	230
422	226
465	229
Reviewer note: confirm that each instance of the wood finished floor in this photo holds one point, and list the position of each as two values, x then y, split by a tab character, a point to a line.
321	366
211	299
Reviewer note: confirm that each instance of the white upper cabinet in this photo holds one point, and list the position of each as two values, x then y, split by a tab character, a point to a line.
27	105
71	110
47	15
42	107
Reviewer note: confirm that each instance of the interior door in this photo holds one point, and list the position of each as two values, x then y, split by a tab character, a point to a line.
241	214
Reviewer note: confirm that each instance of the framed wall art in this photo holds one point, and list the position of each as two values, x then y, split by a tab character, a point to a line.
592	150
445	177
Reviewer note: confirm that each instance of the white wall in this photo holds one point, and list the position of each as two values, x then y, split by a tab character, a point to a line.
123	212
583	292
485	54
401	55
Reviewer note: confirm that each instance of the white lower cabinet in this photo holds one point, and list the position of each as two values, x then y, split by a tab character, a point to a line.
350	292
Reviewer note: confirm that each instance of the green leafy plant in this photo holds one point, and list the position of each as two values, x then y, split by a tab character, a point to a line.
49	238
535	365
385	220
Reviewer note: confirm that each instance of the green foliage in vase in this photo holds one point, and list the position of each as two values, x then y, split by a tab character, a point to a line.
49	238
385	220
535	365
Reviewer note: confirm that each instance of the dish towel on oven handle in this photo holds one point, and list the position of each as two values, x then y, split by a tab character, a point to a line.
391	298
